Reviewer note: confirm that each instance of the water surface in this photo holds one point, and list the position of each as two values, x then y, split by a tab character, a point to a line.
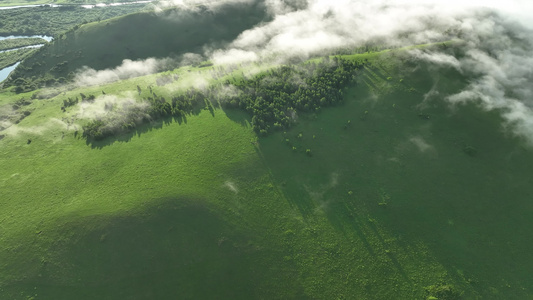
6	71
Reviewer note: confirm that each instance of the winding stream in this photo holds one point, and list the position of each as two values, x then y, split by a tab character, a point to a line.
6	71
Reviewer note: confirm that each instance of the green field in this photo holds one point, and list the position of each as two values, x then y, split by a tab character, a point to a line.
393	200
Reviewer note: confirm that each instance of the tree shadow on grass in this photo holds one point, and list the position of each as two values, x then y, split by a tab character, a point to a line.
126	136
238	116
157	123
462	213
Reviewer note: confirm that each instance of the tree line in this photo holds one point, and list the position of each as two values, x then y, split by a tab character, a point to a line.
273	98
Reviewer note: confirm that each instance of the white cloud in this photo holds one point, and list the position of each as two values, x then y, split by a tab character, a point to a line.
128	69
497	43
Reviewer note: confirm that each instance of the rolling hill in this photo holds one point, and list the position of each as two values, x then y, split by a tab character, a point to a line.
379	195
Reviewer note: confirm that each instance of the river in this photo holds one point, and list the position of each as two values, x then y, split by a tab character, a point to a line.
6	71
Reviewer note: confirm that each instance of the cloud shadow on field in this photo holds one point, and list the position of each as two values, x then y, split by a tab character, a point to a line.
177	247
463	206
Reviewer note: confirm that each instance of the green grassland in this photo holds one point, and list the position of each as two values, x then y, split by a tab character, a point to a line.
393	200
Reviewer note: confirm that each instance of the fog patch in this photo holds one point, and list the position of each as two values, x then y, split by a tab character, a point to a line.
111	107
228	92
317	193
421	144
128	69
192	5
231	186
499	60
189	59
233	56
197	80
323	26
52	124
5	124
440	59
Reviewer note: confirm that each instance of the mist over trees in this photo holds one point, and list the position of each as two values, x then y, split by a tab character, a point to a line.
272	99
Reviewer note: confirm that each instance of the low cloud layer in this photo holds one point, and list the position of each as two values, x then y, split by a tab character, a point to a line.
497	38
128	69
498	61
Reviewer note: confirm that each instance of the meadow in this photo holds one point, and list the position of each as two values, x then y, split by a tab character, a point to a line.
380	193
393	199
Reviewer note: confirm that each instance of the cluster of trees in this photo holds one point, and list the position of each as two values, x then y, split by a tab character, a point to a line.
69	102
113	124
85	98
272	98
22	85
121	119
73	101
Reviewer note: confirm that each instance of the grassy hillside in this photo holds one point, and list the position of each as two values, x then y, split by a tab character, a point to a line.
393	201
106	44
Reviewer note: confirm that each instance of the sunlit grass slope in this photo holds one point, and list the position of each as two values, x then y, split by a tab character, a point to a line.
393	200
